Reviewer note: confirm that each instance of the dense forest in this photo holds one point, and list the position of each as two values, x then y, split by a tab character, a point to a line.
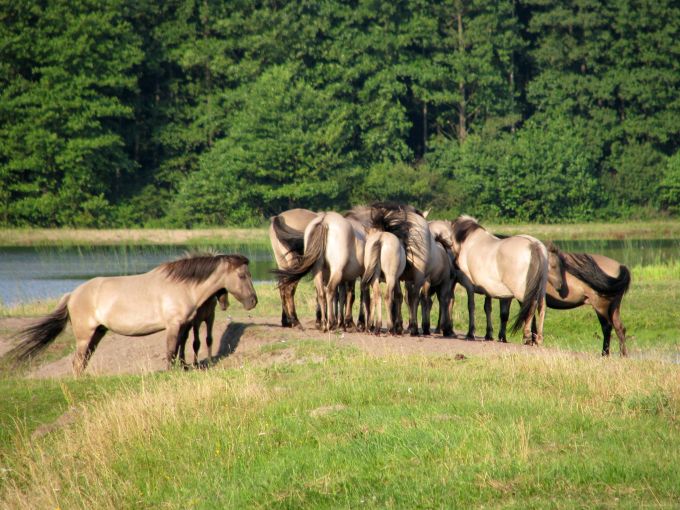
201	112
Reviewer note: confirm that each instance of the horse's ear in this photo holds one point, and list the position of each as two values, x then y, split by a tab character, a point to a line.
425	213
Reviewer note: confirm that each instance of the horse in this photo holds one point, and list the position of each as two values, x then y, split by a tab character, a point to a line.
410	226
205	313
334	253
165	298
286	234
384	259
598	281
516	266
439	282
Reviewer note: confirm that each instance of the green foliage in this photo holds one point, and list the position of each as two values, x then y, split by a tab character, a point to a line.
192	112
541	173
669	187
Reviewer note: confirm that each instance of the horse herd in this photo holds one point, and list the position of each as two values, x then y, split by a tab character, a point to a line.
383	242
394	242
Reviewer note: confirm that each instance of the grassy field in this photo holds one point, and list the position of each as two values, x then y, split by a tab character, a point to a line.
334	428
660	229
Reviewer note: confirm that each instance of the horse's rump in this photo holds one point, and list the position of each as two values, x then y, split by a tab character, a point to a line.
314	250
292	239
372	268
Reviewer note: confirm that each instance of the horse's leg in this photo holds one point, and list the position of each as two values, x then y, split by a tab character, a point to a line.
321	301
527	336
364	298
174	333
341	293
444	296
472	327
351	295
620	329
538	338
209	322
389	305
488	305
425	299
86	342
334	281
377	307
505	316
398	300
285	323
606	332
413	297
196	327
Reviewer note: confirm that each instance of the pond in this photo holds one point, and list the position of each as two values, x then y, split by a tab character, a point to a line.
29	273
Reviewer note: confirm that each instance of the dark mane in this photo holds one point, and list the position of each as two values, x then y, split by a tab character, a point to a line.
394	220
394	206
463	227
198	268
584	267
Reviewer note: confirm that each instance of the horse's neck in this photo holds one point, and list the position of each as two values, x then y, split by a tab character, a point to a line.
202	291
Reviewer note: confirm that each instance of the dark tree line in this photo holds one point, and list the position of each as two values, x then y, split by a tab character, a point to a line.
199	112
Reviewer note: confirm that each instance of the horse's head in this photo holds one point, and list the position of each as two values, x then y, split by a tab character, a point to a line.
239	282
556	270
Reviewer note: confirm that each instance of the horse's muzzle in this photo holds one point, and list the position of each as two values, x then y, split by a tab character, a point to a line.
251	303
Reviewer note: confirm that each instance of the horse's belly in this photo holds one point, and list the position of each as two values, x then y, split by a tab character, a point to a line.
130	317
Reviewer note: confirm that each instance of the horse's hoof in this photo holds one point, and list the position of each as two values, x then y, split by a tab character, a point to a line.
503	340
436	331
426	332
470	338
488	338
448	334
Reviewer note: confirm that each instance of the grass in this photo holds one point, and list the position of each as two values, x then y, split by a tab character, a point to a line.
659	229
348	430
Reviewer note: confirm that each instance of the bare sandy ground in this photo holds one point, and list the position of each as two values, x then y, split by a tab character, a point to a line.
239	342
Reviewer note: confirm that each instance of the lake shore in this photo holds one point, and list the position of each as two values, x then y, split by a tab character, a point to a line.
657	229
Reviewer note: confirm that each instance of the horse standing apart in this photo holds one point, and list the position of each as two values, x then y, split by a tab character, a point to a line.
598	281
384	259
334	253
514	267
286	233
165	298
205	313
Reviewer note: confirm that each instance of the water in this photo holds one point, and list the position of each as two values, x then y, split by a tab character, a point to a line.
27	274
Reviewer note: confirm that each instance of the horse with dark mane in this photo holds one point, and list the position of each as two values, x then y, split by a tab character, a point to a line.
513	267
600	282
165	298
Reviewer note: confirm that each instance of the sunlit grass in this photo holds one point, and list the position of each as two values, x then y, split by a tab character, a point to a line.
345	430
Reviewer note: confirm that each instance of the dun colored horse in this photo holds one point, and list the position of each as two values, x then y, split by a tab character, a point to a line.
598	281
514	267
165	298
384	259
205	313
334	253
286	233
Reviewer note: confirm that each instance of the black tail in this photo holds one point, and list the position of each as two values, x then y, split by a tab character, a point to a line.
584	267
537	278
315	249
290	238
373	263
34	339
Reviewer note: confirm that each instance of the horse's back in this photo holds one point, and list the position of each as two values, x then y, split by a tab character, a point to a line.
610	266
